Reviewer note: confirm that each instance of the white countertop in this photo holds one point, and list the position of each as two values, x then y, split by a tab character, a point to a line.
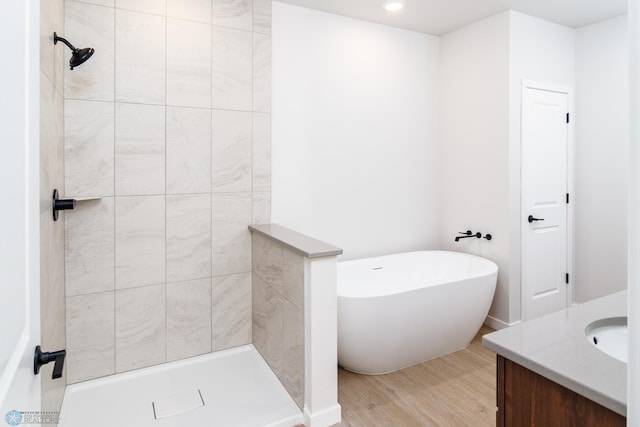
555	346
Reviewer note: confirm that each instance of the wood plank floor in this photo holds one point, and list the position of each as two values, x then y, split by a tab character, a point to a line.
455	390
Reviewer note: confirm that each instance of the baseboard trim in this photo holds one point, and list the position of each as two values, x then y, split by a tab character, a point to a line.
498	324
326	417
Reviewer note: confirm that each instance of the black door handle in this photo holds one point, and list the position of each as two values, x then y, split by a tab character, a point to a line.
531	219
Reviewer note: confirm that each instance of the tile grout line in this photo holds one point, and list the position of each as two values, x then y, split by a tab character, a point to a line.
211	172
166	66
115	329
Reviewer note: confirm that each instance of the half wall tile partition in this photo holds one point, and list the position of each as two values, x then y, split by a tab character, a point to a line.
295	317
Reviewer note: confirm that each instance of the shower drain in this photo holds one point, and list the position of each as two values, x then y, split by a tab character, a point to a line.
177	403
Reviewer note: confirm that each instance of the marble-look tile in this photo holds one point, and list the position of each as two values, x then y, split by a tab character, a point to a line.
261	207
140	327
90	247
261	152
108	3
293	352
267	260
231	311
262	16
193	10
259	314
139	149
188	150
188	63
188	237
52	311
188	318
90	336
275	304
52	392
157	7
88	25
231	151
261	72
88	150
140	57
231	69
51	142
232	13
231	214
51	20
60	59
140	241
293	277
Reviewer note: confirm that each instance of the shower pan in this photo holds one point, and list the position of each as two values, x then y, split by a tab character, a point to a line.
232	387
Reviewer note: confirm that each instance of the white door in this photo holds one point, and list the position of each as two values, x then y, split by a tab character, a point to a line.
19	224
545	147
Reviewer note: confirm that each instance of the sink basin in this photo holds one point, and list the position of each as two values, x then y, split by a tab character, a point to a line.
609	335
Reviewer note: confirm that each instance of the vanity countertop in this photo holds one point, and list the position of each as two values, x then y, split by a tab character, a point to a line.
555	346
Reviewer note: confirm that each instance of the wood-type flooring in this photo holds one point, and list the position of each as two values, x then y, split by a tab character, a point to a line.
455	390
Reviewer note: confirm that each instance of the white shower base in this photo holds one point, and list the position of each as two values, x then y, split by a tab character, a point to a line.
237	387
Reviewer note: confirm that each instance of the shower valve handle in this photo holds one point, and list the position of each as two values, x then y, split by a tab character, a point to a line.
42	358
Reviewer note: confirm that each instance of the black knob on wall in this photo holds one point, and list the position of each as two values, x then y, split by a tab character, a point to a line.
61	204
42	358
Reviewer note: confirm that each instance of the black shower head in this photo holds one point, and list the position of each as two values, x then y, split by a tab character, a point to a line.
79	56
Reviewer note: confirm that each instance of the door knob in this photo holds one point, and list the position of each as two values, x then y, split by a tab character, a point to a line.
531	219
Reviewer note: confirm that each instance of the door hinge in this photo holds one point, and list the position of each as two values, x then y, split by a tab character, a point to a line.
567	117
566	278
567	198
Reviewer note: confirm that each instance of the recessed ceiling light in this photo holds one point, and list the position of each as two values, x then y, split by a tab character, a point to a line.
394	5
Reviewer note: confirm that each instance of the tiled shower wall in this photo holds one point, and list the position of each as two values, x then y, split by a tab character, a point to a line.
52	308
168	124
278	311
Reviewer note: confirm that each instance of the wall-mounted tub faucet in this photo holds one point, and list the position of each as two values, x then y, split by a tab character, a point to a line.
467	234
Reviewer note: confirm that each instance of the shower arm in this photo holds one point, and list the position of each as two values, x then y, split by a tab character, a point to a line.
63	40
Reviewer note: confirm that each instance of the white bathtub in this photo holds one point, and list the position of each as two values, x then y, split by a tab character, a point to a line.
399	310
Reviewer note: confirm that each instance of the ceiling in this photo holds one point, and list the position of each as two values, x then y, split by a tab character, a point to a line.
438	17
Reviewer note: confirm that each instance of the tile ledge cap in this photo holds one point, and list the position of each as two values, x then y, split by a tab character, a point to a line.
305	245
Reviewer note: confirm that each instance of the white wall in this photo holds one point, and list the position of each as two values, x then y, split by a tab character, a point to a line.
474	135
386	140
482	66
354	132
602	152
543	52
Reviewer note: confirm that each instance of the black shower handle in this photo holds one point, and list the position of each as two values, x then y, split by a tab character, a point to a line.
58	204
42	358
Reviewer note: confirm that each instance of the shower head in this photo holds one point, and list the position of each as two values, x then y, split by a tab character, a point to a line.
79	56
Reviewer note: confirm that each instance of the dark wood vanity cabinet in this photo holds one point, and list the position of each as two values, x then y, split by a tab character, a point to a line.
529	399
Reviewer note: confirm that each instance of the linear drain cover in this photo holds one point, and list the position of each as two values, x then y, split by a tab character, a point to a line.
177	403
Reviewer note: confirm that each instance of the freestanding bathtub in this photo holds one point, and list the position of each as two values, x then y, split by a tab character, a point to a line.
399	310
